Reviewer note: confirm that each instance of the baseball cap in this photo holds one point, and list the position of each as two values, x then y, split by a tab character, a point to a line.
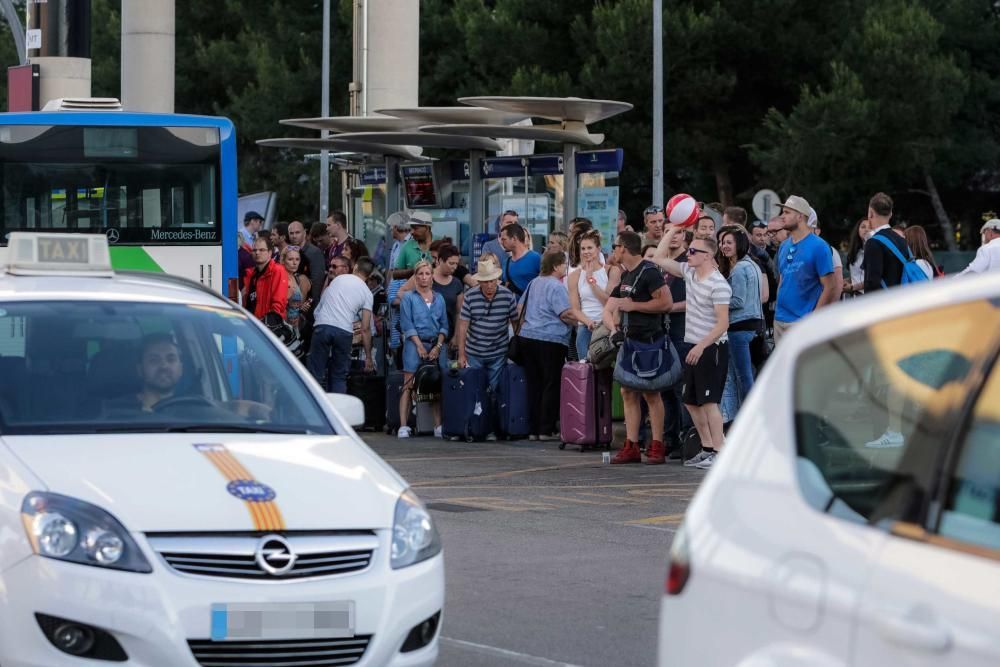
992	223
797	204
421	218
399	220
252	215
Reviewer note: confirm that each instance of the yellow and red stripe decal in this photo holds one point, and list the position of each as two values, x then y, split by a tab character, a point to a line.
258	497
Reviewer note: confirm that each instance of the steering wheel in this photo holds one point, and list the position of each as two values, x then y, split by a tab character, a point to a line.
193	400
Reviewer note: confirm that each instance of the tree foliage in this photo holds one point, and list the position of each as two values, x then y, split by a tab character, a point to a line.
832	100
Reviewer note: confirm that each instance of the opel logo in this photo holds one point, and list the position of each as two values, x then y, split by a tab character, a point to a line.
112	235
274	555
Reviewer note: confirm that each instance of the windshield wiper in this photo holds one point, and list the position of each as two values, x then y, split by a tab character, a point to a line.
229	428
198	428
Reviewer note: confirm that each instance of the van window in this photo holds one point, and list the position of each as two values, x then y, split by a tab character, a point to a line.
876	407
972	509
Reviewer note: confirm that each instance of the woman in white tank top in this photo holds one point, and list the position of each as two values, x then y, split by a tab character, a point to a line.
588	290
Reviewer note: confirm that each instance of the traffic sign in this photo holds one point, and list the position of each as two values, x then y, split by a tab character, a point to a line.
765	204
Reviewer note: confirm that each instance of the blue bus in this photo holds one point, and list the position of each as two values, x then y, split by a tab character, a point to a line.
161	187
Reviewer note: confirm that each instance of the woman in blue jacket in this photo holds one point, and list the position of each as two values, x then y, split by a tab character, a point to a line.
746	315
424	322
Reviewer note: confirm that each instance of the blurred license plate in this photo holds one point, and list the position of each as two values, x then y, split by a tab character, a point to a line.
282	620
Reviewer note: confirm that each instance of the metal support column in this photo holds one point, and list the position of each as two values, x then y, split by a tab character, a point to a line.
569	184
392	185
477	212
324	156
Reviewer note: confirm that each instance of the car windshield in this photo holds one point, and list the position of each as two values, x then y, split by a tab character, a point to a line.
106	367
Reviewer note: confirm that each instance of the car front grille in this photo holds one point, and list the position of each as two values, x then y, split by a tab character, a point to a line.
236	557
280	653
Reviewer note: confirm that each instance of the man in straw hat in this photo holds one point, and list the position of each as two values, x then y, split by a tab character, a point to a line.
484	323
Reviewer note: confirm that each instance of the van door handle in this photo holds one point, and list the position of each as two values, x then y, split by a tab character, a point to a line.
910	630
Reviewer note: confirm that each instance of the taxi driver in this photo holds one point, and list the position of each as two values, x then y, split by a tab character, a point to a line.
160	369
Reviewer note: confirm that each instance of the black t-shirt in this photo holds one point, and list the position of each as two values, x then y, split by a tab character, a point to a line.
461	272
678	292
639	285
450	293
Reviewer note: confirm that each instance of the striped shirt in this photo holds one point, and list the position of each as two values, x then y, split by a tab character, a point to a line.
489	322
702	298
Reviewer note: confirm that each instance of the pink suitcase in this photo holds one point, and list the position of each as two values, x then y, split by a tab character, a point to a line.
585	406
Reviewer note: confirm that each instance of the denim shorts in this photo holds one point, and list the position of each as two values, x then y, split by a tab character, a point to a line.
411	359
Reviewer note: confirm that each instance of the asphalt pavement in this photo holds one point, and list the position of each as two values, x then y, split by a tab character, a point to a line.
552	558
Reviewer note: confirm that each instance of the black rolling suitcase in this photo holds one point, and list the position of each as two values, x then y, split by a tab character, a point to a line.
370	388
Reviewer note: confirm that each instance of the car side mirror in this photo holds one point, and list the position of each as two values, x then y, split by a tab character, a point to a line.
350	408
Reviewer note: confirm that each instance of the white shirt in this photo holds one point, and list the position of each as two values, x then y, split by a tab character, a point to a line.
589	303
857	273
341	302
394	252
926	266
987	258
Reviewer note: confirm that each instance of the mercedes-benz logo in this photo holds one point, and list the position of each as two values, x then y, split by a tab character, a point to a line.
112	235
274	555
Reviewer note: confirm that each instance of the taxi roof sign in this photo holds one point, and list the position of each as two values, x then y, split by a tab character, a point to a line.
38	254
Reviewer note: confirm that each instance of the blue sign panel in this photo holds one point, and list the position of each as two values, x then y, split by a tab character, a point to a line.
587	162
373	176
592	162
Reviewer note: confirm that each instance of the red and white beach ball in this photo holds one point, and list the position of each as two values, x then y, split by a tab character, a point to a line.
682	210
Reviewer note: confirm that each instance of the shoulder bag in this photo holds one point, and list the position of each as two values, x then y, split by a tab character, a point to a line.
515	349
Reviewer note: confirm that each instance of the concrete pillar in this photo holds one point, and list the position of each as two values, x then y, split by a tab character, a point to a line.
148	28
62	77
62	49
391	55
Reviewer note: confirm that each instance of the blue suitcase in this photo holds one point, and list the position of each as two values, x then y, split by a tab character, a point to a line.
466	404
512	403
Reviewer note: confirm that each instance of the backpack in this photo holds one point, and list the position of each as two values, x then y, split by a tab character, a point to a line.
912	273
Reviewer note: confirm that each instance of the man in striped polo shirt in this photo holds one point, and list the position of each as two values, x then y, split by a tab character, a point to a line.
484	322
705	325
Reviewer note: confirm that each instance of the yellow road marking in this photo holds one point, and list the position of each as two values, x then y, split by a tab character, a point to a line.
500	475
501	504
666	519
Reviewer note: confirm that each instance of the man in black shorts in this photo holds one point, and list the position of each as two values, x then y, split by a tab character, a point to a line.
639	301
705	325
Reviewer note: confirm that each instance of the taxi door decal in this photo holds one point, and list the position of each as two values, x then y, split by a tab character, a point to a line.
257	496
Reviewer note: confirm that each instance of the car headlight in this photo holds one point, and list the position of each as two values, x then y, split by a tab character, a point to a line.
68	529
414	537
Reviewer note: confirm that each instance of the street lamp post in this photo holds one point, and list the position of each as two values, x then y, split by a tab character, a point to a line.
658	102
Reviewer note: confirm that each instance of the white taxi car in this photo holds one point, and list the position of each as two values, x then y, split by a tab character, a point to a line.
175	490
854	516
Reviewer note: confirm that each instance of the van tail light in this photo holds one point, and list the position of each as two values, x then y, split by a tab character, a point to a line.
679	565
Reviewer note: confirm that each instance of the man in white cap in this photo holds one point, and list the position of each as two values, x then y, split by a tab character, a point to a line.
988	255
417	248
484	322
805	266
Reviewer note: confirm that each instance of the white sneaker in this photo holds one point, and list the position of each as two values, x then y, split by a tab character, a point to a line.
887	440
707	462
404	432
438	433
697	458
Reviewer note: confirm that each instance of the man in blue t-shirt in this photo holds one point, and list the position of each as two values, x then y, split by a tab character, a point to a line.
523	265
805	265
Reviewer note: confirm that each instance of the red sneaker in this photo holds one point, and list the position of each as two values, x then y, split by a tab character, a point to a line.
629	453
656	453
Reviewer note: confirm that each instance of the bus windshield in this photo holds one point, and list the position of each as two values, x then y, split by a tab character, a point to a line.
137	185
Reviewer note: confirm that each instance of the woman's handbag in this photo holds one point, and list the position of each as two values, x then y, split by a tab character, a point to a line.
602	351
652	366
515	348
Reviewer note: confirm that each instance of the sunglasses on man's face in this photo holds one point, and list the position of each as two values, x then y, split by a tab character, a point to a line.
698	251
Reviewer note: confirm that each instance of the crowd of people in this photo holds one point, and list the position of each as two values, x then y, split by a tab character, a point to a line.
716	297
